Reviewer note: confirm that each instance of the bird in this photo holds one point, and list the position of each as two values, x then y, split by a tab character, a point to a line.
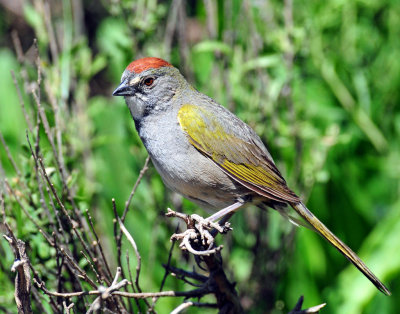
207	154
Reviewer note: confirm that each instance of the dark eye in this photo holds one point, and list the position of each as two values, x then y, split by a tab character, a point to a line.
149	81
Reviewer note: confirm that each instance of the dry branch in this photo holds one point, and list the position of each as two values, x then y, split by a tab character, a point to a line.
23	277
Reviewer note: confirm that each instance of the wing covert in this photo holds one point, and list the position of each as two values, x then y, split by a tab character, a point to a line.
239	156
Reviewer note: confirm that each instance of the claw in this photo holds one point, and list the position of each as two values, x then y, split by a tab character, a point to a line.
198	227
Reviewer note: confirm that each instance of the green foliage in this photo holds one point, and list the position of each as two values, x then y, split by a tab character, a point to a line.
321	88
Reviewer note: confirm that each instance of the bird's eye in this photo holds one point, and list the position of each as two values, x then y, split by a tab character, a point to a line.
149	81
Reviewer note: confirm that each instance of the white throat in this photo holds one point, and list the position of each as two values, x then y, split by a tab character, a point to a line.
136	106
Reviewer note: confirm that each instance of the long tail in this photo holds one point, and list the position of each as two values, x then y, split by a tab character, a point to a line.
303	211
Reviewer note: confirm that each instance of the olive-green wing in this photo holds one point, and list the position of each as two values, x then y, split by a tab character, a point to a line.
231	145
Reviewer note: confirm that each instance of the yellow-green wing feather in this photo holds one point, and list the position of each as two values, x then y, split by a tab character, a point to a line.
240	157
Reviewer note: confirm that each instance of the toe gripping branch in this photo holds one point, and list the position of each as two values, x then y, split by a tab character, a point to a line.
200	233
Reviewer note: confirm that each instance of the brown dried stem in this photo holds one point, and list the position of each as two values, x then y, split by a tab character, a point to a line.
23	277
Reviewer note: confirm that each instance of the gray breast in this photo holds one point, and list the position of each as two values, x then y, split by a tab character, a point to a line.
182	167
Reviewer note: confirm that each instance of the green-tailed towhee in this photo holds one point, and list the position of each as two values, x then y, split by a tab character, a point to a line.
206	153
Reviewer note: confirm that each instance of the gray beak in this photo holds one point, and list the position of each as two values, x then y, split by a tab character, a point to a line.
124	89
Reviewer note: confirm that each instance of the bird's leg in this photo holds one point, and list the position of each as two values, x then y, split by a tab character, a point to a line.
204	225
208	227
227	210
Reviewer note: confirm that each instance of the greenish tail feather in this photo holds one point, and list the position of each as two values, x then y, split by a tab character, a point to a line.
303	211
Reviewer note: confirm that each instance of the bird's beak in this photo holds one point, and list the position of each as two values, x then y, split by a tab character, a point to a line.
124	89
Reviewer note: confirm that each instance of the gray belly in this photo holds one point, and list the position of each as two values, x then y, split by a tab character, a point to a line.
186	171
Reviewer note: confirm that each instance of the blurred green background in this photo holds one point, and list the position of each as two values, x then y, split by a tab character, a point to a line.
319	81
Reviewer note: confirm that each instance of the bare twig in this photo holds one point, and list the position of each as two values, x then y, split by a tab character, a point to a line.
73	224
135	186
105	293
182	307
99	279
37	278
211	8
144	295
68	308
131	280
59	161
117	238
23	278
39	301
138	257
60	167
183	274
189	294
17	198
168	265
297	309
58	125
287	88
17	46
50	31
171	26
98	244
21	59
188	304
82	273
3	207
9	156
40	181
135	249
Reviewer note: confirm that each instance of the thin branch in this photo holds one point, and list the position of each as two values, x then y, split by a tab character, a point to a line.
182	274
297	309
40	181
168	265
118	242
138	257
2	205
17	46
50	31
92	267
9	156
134	246
182	307
189	294
82	273
135	186
143	295
38	297
171	26
98	244
60	165
131	280
105	293
68	308
73	224
16	197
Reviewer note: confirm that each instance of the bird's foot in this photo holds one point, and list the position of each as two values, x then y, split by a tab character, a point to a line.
199	228
204	226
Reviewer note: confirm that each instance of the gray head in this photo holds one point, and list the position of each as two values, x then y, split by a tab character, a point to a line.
148	85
